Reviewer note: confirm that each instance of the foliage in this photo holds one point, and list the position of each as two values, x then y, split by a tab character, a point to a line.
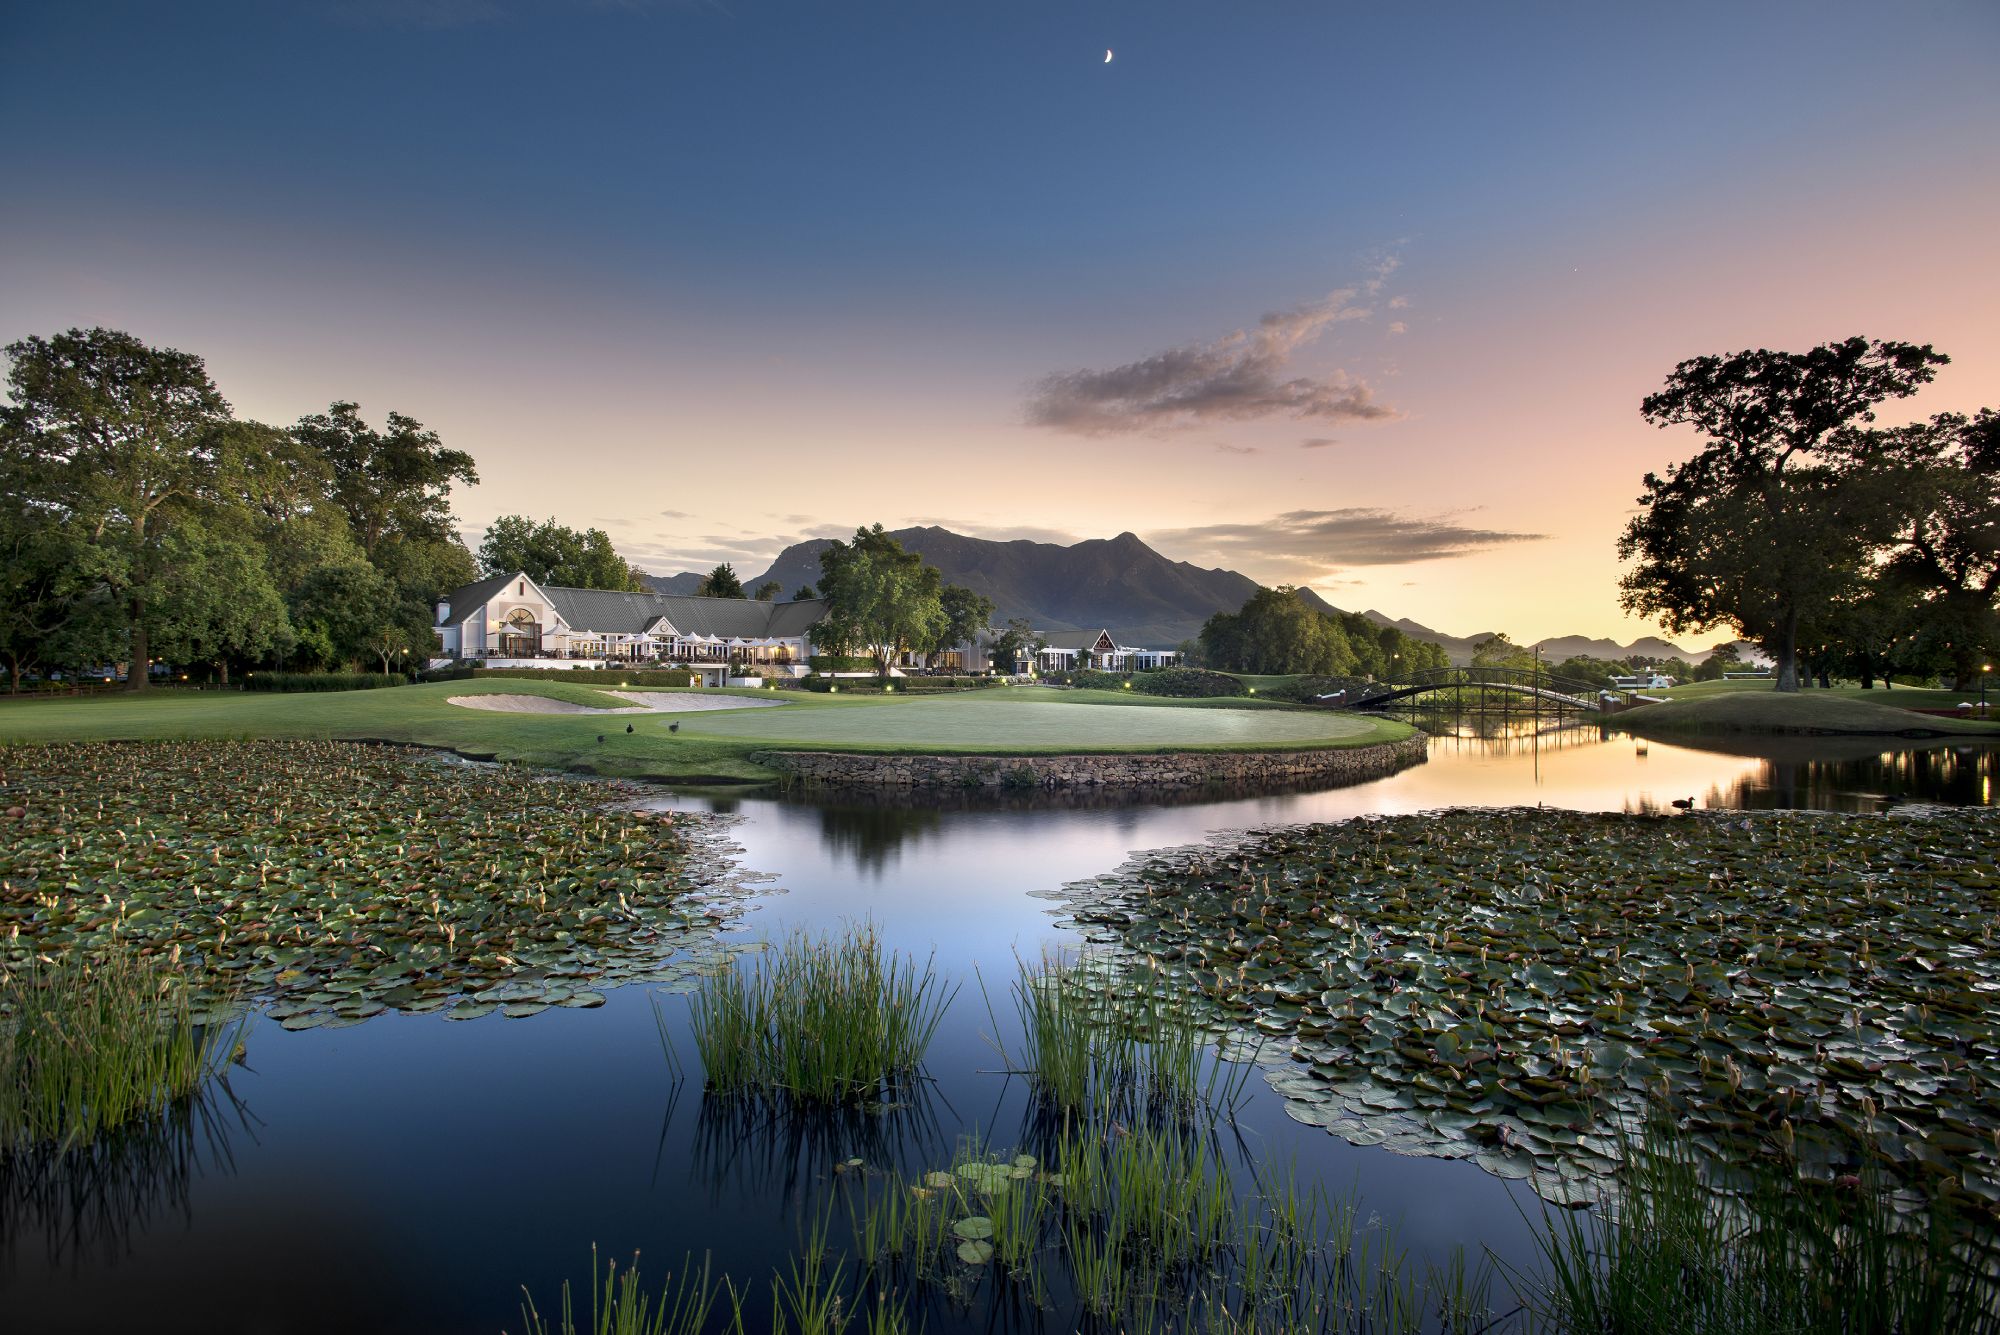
1018	643
119	442
215	601
1275	632
1944	559
1774	518
90	1045
879	598
1186	683
804	593
768	590
551	553
338	611
821	1020
394	486
343	879
1090	679
967	615
1689	1249
620	1305
840	663
720	582
322	681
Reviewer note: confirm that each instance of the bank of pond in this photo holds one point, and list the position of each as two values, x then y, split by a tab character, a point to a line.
1744	1066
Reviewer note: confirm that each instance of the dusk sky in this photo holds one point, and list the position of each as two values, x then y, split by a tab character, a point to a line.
1361	297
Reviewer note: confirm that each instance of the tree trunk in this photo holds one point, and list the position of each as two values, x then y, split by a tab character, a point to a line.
15	668
1965	668
1788	652
222	672
139	674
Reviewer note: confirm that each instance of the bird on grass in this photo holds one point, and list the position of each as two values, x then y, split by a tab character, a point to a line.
1683	804
600	739
628	727
673	727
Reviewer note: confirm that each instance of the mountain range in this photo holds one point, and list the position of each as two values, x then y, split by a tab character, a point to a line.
1119	584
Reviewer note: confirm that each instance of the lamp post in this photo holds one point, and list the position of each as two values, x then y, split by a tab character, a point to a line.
1985	672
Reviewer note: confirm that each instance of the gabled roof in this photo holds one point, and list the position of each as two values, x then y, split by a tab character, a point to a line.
464	602
1076	641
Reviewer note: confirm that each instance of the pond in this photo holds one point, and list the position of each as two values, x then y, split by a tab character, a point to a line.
411	1174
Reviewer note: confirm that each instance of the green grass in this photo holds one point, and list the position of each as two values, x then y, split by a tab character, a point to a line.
717	746
819	1021
1901	697
90	1046
1763	710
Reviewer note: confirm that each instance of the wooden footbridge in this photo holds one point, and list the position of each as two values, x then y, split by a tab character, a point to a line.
1483	687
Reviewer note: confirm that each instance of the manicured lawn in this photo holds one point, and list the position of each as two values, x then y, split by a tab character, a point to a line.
713	746
1901	697
1805	712
1032	720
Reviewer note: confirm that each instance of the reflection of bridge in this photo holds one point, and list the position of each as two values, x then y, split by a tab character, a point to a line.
1538	688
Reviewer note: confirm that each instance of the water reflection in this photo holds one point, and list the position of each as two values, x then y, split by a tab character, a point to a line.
86	1204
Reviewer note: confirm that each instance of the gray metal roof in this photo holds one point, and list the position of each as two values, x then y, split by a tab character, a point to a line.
611	612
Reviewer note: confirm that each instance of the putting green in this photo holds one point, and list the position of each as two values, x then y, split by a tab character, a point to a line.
1012	720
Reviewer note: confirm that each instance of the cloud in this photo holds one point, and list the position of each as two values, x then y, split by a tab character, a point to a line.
1303	545
1318	442
1239	377
675	514
997	532
1398	327
1221	448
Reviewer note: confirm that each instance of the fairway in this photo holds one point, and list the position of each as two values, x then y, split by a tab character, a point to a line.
718	745
1013	720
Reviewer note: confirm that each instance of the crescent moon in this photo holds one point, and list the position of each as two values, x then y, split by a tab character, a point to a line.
1107	55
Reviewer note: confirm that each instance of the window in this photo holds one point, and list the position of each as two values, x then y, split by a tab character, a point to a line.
522	592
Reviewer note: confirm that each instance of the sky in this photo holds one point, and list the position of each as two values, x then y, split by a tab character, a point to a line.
1363	297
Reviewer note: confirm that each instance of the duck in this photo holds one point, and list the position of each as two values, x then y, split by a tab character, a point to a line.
673	727
628	727
1683	804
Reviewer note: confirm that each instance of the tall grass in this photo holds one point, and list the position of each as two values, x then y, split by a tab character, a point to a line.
91	1046
1097	1042
1780	1255
621	1305
821	1020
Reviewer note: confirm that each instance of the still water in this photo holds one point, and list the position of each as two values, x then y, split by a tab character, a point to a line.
411	1174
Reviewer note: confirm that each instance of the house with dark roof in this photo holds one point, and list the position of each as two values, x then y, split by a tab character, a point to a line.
1063	650
512	620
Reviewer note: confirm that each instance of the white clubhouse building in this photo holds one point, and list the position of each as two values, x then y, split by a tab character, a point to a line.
513	621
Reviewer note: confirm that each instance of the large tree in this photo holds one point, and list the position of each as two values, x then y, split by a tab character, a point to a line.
1767	524
216	601
1944	559
880	599
122	441
1017	642
393	485
1275	631
551	553
967	615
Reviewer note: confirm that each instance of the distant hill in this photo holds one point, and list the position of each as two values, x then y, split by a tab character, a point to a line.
1120	584
1555	648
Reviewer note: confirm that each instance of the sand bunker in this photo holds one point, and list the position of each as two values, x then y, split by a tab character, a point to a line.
645	702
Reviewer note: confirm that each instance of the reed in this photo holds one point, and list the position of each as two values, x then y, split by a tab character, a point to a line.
1779	1253
1100	1040
621	1304
89	1046
822	1020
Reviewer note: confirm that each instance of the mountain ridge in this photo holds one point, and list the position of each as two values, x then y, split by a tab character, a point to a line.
1119	584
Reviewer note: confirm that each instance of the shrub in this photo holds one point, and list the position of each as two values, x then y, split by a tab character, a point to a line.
840	663
826	1020
1090	679
1187	683
92	1045
322	681
1308	690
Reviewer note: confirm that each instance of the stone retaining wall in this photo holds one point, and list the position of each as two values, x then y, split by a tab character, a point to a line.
1184	769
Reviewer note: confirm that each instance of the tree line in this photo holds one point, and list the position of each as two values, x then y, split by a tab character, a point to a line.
1835	545
143	522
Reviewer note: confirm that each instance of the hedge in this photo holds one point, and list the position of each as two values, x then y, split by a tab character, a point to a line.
599	676
840	663
322	681
899	685
1187	683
